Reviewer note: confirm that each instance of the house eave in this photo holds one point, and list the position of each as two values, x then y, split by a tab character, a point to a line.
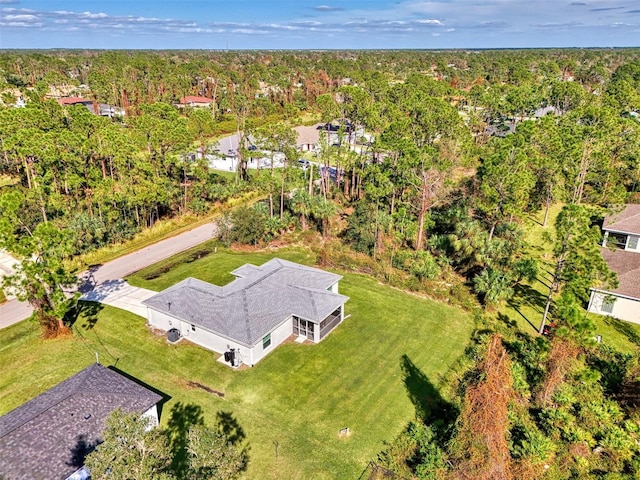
609	230
615	294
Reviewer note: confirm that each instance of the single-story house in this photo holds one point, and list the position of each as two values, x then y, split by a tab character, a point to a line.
250	316
77	101
49	436
102	109
621	230
308	138
195	102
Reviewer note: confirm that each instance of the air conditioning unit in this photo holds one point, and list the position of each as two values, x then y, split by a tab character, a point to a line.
173	335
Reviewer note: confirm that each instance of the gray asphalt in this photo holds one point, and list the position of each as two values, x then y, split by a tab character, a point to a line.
13	311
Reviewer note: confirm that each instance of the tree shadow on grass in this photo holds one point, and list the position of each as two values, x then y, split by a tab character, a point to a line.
183	417
229	427
85	311
524	295
624	328
425	397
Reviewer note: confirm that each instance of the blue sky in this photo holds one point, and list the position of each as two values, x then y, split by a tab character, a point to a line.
321	24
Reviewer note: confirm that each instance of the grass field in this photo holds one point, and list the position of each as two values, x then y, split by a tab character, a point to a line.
394	349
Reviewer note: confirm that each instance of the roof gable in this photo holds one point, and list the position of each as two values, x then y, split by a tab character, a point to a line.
256	302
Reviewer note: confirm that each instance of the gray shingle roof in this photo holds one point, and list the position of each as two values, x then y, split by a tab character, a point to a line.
626	221
256	302
39	438
627	265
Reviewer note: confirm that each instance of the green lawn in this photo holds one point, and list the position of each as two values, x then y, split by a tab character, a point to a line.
296	399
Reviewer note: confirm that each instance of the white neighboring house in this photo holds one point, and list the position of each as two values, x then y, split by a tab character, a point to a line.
622	230
49	436
8	265
253	314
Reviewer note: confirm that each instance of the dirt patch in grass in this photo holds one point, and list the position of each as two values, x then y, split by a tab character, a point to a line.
205	388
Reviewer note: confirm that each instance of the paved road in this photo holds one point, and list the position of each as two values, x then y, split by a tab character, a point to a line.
14	311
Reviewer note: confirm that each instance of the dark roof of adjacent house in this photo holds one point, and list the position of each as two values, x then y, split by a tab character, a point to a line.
626	221
255	303
627	265
48	437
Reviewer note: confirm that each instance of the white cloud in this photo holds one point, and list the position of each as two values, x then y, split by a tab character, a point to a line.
20	24
327	8
21	17
94	15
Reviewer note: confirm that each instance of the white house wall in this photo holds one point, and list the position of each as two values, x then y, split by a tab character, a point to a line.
217	343
152	415
161	320
212	341
623	308
278	335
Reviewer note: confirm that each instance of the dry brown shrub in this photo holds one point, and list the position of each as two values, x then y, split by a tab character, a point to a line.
580	450
561	357
524	469
481	448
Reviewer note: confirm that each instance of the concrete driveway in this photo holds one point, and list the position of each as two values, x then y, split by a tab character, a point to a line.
118	293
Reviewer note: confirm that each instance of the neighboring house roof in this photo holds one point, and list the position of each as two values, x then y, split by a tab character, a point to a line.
626	221
73	100
48	437
256	302
627	265
308	135
194	99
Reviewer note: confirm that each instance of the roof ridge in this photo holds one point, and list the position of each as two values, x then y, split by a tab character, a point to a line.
251	284
245	307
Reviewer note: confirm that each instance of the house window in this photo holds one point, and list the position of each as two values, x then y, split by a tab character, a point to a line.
617	239
266	341
193	327
607	304
632	243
